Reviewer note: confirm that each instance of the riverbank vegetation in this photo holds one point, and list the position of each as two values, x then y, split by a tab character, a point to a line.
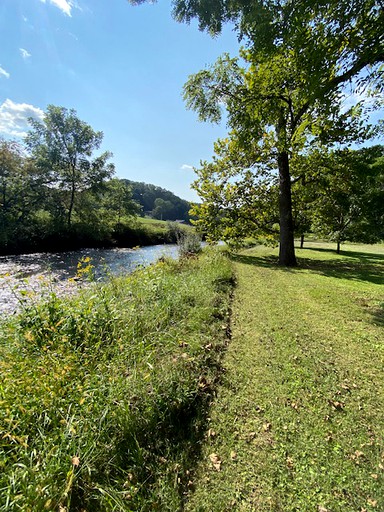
58	193
104	395
297	423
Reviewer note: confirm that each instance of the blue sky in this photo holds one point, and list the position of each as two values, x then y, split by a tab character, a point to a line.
122	69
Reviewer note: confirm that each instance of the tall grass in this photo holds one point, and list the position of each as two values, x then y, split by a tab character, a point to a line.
103	395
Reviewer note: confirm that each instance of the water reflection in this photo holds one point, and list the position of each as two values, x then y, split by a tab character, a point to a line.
27	271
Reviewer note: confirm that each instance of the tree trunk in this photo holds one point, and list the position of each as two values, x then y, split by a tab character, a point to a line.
287	247
301	241
71	203
338	247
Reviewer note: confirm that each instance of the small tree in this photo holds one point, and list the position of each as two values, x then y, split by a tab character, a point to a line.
162	209
349	196
62	145
117	200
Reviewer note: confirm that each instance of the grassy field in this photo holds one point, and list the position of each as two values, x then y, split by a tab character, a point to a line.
161	226
146	231
298	422
104	395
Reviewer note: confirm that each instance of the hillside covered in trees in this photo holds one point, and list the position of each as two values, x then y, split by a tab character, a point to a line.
158	202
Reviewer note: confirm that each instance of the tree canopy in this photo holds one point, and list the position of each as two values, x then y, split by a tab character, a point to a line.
286	96
62	145
348	34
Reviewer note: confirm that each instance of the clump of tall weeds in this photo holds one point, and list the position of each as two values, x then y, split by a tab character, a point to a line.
104	394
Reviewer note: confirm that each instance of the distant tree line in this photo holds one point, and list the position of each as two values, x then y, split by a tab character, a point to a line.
158	202
56	194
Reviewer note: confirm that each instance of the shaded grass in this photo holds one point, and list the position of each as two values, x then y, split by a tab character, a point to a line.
298	422
104	395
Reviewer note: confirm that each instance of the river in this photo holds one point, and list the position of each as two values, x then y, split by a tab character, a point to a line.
27	275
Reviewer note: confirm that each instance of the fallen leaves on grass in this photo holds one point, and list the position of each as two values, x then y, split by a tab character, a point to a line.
75	461
338	406
211	433
215	459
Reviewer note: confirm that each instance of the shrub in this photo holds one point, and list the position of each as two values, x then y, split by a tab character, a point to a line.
188	244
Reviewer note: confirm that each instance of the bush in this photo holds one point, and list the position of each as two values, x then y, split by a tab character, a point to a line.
188	244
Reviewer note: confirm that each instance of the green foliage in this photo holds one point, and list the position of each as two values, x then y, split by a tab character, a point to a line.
158	202
343	194
21	194
145	231
61	146
35	202
117	201
345	34
189	244
299	56
276	115
104	394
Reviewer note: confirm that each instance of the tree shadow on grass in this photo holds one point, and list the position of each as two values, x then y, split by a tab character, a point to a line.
378	315
364	257
366	267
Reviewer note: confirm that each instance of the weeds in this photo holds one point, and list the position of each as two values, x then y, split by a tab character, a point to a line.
104	394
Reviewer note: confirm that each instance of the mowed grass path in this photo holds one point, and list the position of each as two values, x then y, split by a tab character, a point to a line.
298	422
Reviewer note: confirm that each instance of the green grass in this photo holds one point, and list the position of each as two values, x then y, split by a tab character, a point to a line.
104	396
161	225
298	422
145	231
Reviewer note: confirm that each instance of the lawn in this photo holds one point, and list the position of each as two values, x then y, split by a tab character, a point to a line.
298	423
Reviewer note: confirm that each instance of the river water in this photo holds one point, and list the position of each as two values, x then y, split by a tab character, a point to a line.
27	275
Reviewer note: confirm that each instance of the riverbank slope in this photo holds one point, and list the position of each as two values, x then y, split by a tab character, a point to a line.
298	421
104	395
139	231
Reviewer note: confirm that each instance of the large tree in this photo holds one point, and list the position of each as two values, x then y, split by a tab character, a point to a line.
308	49
275	113
62	146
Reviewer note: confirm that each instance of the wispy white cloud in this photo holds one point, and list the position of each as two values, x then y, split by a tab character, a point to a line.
357	97
4	73
14	117
186	167
64	5
24	53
